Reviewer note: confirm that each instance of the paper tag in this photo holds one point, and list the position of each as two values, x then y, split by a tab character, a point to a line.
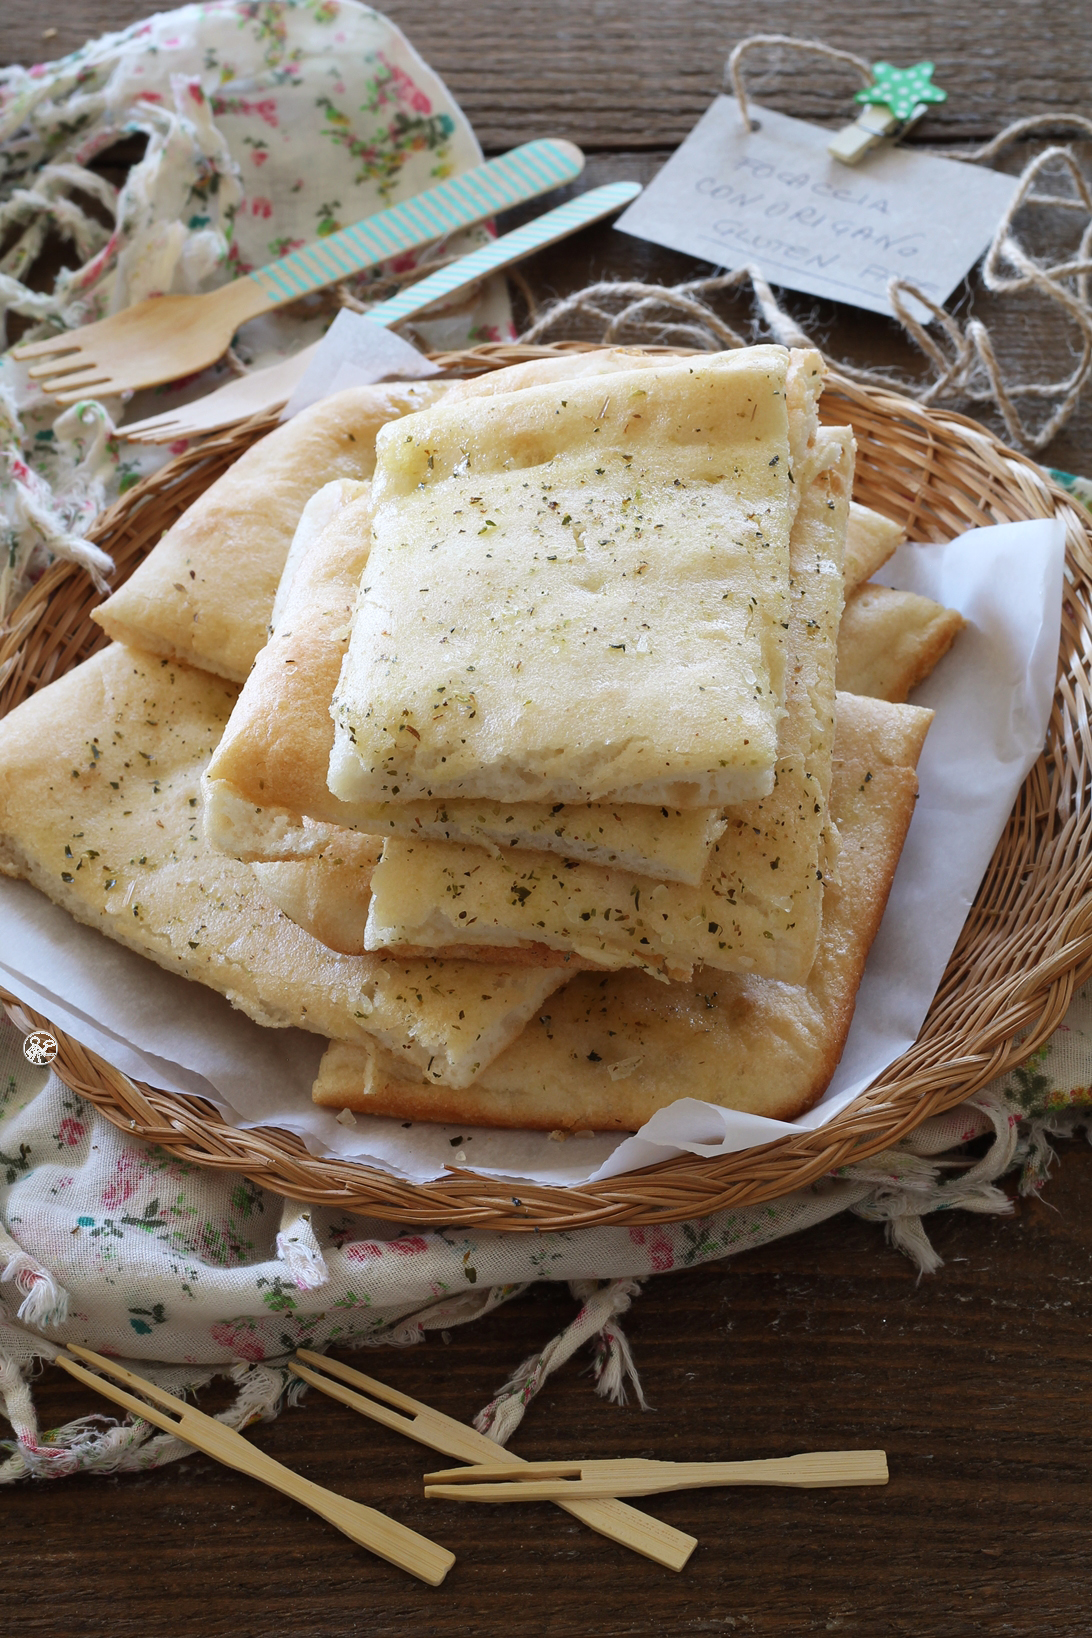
775	198
354	352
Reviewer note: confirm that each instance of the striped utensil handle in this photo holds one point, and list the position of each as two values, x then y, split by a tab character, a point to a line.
519	175
510	247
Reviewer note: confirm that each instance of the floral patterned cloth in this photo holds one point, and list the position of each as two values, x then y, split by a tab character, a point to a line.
195	1272
269	123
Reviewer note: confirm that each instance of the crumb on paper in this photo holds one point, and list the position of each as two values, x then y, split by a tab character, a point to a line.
346	1118
558	1136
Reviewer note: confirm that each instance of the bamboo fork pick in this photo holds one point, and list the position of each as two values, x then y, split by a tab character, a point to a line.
383	1536
626	1525
556	1481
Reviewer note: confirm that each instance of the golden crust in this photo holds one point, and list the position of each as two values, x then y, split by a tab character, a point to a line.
273	756
609	1051
868	731
99	809
891	640
205	593
870	540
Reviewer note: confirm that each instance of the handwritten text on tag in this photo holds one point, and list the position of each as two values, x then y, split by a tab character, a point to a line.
774	197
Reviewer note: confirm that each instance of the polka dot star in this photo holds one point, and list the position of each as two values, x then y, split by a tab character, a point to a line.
902	89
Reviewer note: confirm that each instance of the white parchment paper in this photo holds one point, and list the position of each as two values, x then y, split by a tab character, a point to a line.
354	352
992	696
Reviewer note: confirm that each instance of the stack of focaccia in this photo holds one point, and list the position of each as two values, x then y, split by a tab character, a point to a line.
537	799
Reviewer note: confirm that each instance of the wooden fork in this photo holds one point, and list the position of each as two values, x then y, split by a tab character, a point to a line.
383	1536
633	1476
165	337
266	389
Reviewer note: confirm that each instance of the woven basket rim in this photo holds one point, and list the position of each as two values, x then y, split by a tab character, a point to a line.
1009	1015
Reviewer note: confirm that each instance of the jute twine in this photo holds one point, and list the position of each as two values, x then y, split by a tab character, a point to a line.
962	356
1026	946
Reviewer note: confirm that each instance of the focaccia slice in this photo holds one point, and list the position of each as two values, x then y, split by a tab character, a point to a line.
99	809
265	790
611	1050
758	906
316	517
890	641
328	894
549	565
870	541
205	593
671	844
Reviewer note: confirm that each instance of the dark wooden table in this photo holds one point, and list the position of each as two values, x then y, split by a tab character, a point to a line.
974	1380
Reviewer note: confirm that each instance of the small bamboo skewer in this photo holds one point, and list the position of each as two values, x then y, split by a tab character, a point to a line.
380	1535
556	1481
626	1525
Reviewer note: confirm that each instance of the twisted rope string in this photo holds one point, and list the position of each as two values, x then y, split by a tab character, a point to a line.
899	1187
963	357
612	1364
733	68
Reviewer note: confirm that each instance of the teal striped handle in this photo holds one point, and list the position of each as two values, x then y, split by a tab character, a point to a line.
510	247
521	174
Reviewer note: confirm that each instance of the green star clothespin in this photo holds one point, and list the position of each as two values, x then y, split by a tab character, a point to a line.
895	100
902	89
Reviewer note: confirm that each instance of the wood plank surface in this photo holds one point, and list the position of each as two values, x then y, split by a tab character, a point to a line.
974	1380
638	73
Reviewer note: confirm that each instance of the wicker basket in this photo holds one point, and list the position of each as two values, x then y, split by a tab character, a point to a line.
1026	945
